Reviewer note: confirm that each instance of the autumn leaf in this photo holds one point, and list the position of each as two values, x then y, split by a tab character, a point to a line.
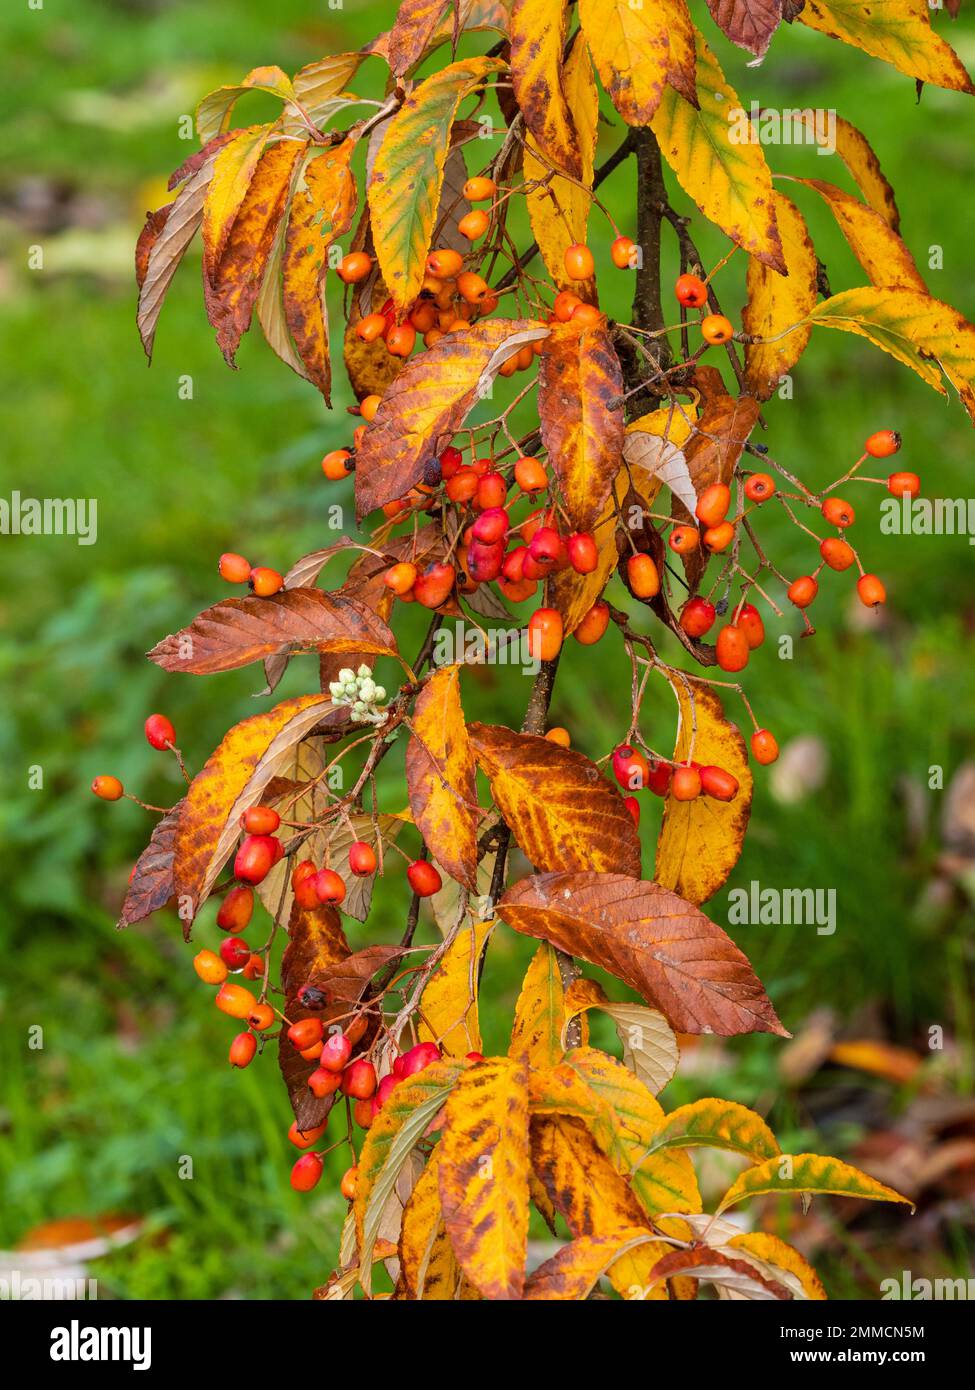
878	248
631	49
536	1035
484	1175
428	402
717	1124
151	884
322	209
316	945
441	776
416	23
921	332
168	244
233	170
700	842
573	594
215	110
779	1258
575	1270
447	1013
231	780
729	180
897	31
404	190
748	23
319	84
663	947
235	284
807	1173
776	302
649	1045
389	1140
561	809
426	1257
538	32
580	385
856	152
739	1277
238	631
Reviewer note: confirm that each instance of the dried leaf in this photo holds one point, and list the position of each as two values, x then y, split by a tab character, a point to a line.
538	31
441	777
577	1268
151	884
233	170
748	23
316	945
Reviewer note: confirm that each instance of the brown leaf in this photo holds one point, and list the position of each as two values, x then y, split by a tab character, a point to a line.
316	945
416	23
562	811
155	221
666	949
579	387
151	884
241	630
748	23
442	779
703	1263
718	438
538	30
427	404
167	249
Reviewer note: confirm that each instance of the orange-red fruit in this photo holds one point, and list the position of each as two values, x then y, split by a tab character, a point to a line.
713	504
261	1017
109	788
329	887
716	329
683	539
685	784
586	314
882	444
370	327
305	1033
362	1113
303	1139
335	465
462	485
347	1185
545	634
837	553
904	484
400	340
362	859
750	621
732	648
837	512
718	538
307	1172
354	267
474	224
579	262
560	736
871	590
159	731
697	617
593	625
765	748
256	857
445	263
691	291
210	968
324	1082
264	581
234	568
479	188
234	1000
630	767
621	252
423	878
492	489
367	409
336	1051
583	555
242	1050
760	487
719	784
565	304
642	576
235	952
530	475
400	578
359	1079
472	288
260	820
803	590
433	586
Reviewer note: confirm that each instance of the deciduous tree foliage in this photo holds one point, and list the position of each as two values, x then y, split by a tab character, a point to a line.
374	191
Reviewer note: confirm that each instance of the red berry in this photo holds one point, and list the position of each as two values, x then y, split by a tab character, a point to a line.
583	554
303	1139
256	857
718	538
491	526
686	783
749	620
633	806
423	878
159	731
837	553
347	1185
417	1058
474	1056
234	568
492	489
643	576
234	1000
579	262
362	859
803	590
660	778
732	648
236	909
593	625
870	590
716	329
260	820
545	634
837	512
630	767
765	749
760	487
107	787
683	539
882	444
305	1033
242	1050
329	886
359	1079
719	784
691	291
697	617
336	1051
323	1083
307	1172
713	504
235	952
904	484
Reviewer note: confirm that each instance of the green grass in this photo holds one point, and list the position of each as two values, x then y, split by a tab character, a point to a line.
132	1075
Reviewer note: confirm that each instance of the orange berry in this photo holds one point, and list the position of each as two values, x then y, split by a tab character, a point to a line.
765	749
371	327
837	553
234	1000
445	263
254	969
530	475
107	787
642	576
837	512
582	551
716	329
347	1185
593	625
324	1082
261	1018
359	1079
685	784
621	253
472	288
264	582
697	616
732	648
474	224
545	634
691	291
329	887
242	1050
718	538
565	303
579	262
401	577
260	820
560	736
882	444
209	967
305	1033
713	503
432	587
904	484
803	590
719	784
354	267
683	539
400	340
586	314
235	911
362	859
362	1113
479	189
368	407
871	590
234	568
423	315
750	621
760	487
303	1139
336	466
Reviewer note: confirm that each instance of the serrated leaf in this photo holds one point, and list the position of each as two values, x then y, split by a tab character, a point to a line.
233	170
649	1045
631	50
426	1258
447	1013
718	1124
441	776
779	1260
776	302
167	248
807	1173
748	23
856	152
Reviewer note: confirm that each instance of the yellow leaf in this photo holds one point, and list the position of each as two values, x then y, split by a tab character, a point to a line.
448	1005
562	811
728	179
876	245
233	170
321	211
635	55
776	302
700	841
404	190
484	1164
857	154
426	1258
773	1251
807	1173
577	1268
919	331
214	111
897	31
441	777
716	1124
559	211
537	42
536	1036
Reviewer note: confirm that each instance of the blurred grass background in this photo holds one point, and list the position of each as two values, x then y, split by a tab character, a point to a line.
132	1074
